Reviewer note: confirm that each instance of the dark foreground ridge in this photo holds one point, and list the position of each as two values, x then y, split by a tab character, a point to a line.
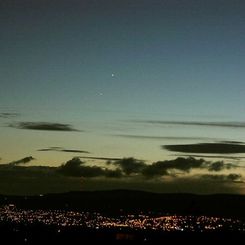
42	234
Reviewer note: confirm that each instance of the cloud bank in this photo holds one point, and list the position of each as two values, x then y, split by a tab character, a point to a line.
162	176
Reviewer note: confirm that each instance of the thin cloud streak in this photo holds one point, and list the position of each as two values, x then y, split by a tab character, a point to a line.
8	115
232	142
102	158
75	151
60	149
194	123
161	137
45	126
53	148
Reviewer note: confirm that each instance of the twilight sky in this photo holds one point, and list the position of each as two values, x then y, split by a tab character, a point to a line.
112	79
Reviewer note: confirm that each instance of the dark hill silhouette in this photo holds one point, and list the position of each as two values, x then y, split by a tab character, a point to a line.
119	201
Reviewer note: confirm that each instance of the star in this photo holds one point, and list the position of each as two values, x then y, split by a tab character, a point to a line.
112	74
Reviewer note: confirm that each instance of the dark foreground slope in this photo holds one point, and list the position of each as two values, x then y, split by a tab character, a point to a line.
49	235
113	202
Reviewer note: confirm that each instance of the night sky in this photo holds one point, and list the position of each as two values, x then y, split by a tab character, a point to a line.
122	94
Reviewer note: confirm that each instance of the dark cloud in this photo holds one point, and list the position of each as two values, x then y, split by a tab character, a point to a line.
129	165
75	151
23	160
117	173
8	115
161	168
43	126
155	169
223	178
211	148
60	149
53	148
76	168
234	177
160	137
195	123
219	166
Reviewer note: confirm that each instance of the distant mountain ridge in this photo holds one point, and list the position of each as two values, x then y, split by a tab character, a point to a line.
120	201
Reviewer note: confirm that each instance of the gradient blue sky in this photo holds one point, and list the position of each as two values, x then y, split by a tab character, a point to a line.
114	69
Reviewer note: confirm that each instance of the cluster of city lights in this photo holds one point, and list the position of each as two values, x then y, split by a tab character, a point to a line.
95	220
